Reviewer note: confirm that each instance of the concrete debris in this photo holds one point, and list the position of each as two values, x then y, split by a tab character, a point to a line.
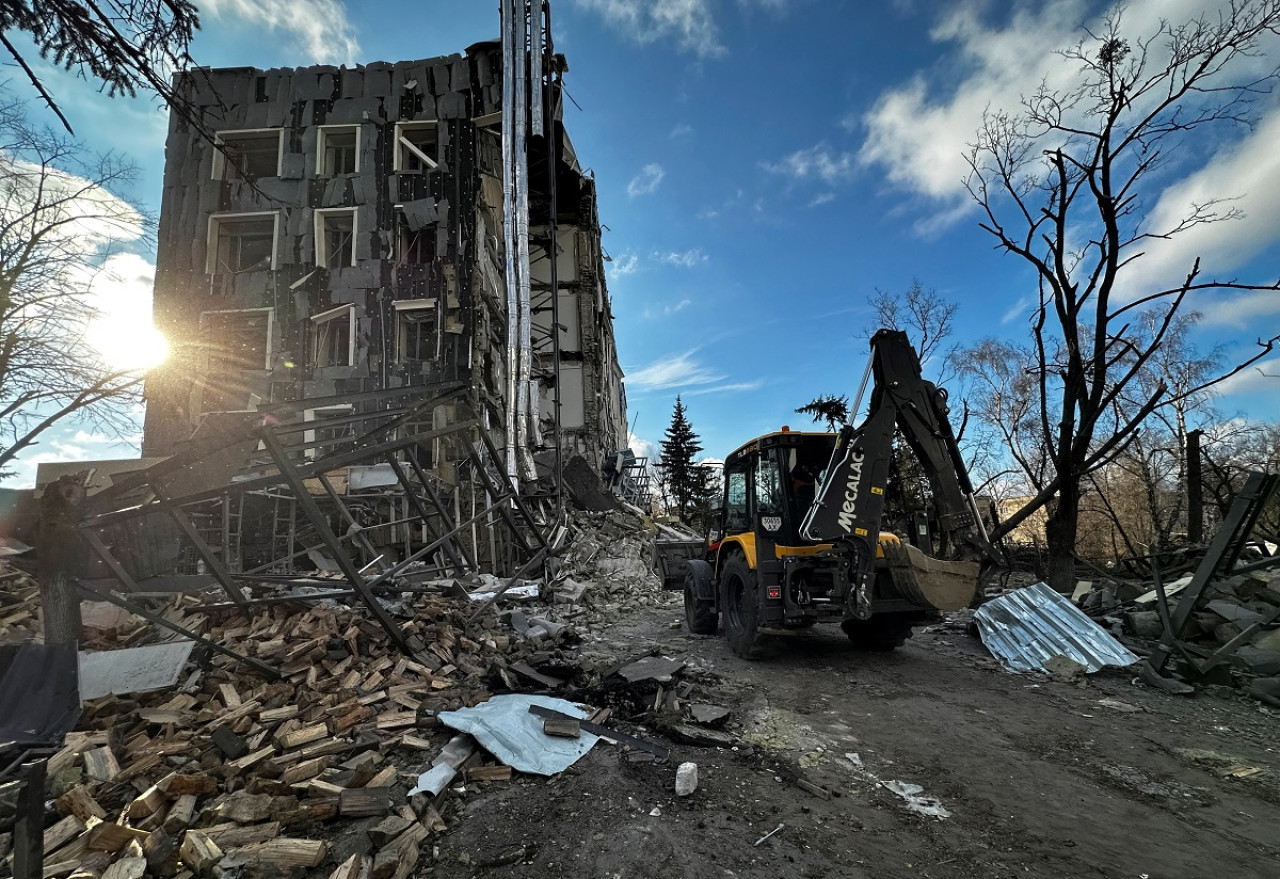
1237	616
651	668
133	670
686	779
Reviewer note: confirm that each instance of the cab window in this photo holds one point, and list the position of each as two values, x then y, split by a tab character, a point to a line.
737	518
767	485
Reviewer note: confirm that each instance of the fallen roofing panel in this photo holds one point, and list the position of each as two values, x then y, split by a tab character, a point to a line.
1026	627
507	730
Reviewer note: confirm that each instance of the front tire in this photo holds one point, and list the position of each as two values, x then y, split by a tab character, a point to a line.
699	614
741	606
883	633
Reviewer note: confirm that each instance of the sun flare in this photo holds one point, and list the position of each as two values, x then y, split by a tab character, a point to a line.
128	345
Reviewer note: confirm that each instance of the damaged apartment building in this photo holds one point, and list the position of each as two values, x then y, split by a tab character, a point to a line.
410	245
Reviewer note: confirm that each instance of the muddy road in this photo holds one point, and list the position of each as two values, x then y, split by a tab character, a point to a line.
927	762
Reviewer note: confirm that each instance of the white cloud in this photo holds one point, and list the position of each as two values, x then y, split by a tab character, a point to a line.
686	259
122	330
1017	310
1262	376
725	389
646	182
1241	310
627	263
321	26
817	162
681	132
675	371
822	198
667	310
688	23
641	448
1249	173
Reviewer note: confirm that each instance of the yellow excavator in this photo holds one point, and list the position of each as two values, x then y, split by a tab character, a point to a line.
800	539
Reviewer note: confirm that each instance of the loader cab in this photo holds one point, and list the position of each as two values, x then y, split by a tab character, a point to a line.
771	482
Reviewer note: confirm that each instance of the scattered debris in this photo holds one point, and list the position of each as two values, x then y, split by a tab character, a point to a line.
686	779
651	668
913	796
132	670
769	834
504	727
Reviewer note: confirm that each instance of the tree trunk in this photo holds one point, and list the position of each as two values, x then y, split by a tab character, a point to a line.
1060	535
60	551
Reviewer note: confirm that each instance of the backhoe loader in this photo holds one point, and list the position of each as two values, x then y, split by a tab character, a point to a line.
800	539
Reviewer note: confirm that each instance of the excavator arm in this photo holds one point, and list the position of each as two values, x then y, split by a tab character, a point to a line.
849	504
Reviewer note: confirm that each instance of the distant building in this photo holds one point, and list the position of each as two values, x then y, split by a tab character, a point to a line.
343	234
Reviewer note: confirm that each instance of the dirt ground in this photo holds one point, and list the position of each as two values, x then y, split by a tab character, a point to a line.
1038	778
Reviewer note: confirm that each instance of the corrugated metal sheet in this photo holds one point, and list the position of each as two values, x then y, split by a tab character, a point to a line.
1026	627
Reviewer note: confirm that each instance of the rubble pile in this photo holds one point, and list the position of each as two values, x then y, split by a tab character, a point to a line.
1228	609
232	774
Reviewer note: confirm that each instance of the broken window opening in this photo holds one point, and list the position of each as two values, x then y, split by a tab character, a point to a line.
235	342
417	146
338	148
414	247
416	335
327	437
336	238
248	155
333	338
242	243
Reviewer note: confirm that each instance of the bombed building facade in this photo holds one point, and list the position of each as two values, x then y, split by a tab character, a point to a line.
338	244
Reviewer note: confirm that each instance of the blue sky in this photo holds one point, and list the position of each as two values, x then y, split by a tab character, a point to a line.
764	167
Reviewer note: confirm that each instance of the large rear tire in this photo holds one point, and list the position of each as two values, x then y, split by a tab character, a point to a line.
699	614
882	633
741	606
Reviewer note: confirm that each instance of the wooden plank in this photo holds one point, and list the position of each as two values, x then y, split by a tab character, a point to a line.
62	832
363	801
199	852
79	802
100	764
304	736
284	854
489	773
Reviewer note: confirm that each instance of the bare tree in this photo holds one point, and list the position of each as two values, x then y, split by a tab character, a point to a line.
58	224
1063	184
126	44
926	317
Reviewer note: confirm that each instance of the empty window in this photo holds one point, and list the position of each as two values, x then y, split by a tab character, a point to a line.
248	155
414	246
241	243
333	336
335	237
327	438
417	146
338	149
416	336
237	340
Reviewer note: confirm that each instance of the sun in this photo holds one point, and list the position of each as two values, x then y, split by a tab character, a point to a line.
128	345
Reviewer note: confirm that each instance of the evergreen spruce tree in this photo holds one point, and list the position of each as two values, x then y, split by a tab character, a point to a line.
683	477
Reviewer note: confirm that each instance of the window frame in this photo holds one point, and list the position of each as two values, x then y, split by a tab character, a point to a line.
321	237
270	329
216	222
220	163
399	162
402	322
403	232
320	322
324	167
340	410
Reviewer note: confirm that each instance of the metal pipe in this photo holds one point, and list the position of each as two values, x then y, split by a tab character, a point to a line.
508	234
526	410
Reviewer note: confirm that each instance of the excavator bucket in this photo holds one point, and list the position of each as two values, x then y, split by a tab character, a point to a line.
930	582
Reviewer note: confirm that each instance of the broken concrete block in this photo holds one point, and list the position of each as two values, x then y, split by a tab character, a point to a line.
1145	624
1267	640
1064	668
651	668
1233	612
1266	690
570	592
1258	662
708	715
686	779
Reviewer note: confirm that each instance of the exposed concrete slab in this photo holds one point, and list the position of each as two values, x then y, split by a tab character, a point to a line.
134	670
